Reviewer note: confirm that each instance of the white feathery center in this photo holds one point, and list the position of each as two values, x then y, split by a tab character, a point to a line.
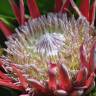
50	44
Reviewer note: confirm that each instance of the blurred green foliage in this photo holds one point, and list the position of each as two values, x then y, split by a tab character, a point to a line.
93	93
45	6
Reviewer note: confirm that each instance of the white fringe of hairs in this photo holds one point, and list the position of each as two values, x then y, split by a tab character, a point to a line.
47	36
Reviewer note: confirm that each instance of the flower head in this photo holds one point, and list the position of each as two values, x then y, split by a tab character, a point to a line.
55	53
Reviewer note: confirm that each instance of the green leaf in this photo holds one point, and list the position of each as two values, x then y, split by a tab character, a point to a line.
45	6
5	9
93	92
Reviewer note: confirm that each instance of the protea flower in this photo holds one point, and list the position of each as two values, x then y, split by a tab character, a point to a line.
50	55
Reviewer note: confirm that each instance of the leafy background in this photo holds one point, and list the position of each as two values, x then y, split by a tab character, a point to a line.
8	17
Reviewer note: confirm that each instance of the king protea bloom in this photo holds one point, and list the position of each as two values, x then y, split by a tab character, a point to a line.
50	55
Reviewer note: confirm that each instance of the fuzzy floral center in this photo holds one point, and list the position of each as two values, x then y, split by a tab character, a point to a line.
50	38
